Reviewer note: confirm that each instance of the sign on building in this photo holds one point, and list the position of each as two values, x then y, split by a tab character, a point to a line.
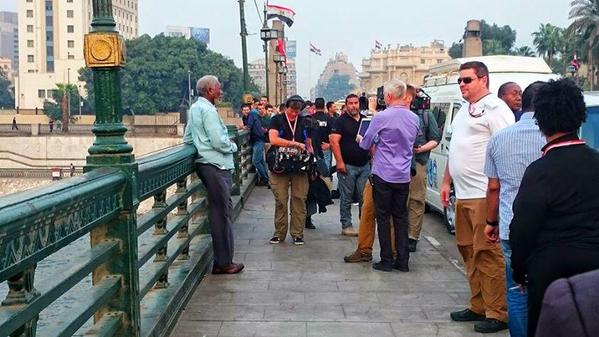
291	49
201	34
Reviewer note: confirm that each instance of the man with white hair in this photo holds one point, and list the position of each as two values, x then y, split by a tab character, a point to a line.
391	135
208	133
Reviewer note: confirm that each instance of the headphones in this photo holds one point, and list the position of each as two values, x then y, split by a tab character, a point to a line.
294	98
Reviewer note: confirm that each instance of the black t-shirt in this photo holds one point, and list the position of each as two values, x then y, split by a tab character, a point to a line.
279	123
347	127
325	124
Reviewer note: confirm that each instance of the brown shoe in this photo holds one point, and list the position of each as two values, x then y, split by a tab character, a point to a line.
358	256
233	268
349	231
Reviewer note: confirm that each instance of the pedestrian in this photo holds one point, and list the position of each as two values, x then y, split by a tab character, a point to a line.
325	124
72	169
289	137
353	163
208	133
509	153
427	139
511	94
14	124
245	114
281	109
555	229
257	136
392	133
474	124
51	125
332	110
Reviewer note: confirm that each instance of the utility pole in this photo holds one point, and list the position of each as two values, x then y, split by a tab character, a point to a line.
189	86
244	52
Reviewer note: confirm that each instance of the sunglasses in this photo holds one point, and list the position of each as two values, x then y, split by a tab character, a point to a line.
466	80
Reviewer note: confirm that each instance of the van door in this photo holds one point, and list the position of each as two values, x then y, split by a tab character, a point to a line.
444	113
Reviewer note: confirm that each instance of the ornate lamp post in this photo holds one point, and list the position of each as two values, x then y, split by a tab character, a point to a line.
267	34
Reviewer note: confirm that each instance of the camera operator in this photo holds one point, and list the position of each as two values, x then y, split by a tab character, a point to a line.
288	131
427	139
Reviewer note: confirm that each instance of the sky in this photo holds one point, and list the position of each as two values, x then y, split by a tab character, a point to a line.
348	26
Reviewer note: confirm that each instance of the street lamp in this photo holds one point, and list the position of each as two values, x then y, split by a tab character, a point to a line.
267	34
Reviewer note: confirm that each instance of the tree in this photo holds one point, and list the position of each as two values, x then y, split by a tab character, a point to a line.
6	94
524	51
155	78
337	87
585	14
548	40
496	40
63	94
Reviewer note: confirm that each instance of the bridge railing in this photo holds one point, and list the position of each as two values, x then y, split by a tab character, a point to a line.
168	247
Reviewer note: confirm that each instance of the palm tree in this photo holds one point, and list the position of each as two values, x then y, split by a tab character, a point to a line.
548	40
524	51
586	24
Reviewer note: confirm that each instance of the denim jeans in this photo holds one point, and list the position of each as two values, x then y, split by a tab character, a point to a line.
517	302
258	160
351	183
327	158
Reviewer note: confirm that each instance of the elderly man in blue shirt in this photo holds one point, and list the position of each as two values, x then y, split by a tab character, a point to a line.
208	133
393	132
505	165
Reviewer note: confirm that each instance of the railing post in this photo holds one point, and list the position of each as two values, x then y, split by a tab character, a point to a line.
237	182
21	291
160	229
182	211
104	54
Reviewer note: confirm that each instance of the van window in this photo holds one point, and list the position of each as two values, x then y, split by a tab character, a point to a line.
590	129
440	111
456	108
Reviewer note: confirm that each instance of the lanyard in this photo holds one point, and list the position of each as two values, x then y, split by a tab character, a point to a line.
564	144
292	127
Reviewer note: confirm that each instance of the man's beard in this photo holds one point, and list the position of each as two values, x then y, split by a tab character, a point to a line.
353	113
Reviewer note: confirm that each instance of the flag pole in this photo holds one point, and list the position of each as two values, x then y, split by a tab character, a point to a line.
309	71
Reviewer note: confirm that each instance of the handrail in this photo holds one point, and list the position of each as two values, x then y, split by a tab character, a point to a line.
37	223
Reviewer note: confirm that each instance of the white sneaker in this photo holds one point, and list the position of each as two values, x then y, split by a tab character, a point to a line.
349	231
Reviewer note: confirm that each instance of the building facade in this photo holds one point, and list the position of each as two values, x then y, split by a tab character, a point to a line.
51	44
339	65
6	66
196	33
9	38
408	63
257	74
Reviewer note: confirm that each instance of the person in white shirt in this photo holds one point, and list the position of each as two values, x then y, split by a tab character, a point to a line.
475	123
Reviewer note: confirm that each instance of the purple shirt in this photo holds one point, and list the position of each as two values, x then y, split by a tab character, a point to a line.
394	132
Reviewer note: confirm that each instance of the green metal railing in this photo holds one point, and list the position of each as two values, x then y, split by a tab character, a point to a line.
143	270
169	262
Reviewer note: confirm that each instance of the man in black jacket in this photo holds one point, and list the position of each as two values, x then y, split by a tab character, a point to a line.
555	229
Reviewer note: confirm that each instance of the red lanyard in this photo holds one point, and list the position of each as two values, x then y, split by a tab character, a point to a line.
564	144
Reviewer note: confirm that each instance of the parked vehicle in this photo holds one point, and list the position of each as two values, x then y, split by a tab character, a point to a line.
446	101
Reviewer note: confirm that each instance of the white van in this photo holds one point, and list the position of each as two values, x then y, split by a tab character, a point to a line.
446	100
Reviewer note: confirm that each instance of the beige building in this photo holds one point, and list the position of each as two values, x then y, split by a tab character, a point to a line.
258	75
408	63
339	65
51	44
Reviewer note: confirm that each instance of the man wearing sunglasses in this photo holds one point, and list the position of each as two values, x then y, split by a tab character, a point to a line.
474	124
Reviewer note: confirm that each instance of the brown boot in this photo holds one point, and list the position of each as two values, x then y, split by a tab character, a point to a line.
358	256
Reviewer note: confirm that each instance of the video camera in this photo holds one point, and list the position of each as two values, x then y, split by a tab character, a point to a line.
422	101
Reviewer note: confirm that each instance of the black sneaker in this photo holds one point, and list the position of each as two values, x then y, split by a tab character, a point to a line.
466	315
381	266
412	245
275	240
401	267
489	325
298	241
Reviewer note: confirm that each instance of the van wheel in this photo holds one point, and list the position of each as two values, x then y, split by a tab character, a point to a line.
449	213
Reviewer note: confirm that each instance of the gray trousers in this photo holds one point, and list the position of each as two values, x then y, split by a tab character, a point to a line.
350	184
218	189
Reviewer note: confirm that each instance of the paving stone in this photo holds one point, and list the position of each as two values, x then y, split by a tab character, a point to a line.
350	329
263	329
304	312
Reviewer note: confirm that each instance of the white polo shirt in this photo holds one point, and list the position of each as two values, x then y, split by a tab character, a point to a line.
472	128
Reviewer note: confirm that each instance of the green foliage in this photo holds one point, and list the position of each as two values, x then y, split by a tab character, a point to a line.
336	88
155	77
524	51
504	38
585	25
53	108
455	51
548	40
6	94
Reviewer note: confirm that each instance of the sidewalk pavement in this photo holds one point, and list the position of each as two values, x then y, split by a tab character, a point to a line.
308	291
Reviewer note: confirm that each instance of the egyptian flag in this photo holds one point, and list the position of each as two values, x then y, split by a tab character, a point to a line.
315	50
282	13
281	47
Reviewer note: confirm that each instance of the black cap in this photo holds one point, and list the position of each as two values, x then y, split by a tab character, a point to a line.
294	98
319	103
